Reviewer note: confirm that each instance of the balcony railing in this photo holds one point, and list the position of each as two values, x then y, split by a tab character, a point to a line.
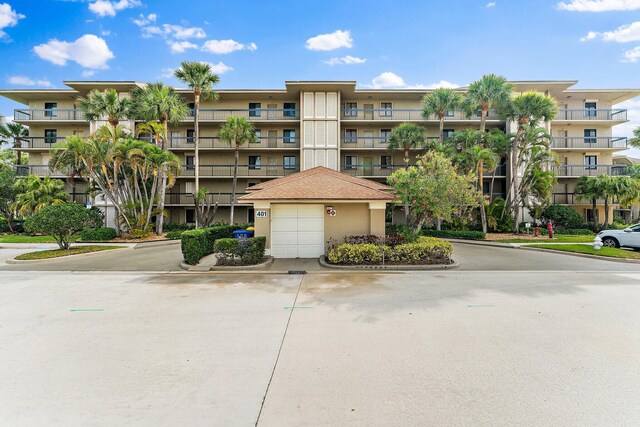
207	142
589	142
380	142
245	171
48	114
40	141
214	114
39	170
501	171
592	114
402	114
595	170
573	199
370	170
187	198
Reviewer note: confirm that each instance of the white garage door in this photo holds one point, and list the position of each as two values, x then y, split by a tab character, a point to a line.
297	231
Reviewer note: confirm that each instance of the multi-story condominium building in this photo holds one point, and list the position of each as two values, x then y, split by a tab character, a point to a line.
325	123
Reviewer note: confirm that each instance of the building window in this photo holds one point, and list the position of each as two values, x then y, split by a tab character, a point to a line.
190	215
258	133
254	109
350	162
350	109
50	109
191	160
289	109
351	136
191	135
590	108
447	133
289	136
251	215
449	113
50	136
254	162
386	109
590	162
384	135
385	162
289	162
590	136
192	108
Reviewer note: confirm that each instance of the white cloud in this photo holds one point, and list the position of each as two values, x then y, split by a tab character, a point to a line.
222	47
110	8
599	5
590	36
173	31
632	55
633	114
145	20
220	68
330	41
622	34
88	73
167	73
491	4
89	51
26	81
180	47
105	32
387	80
8	17
442	84
348	59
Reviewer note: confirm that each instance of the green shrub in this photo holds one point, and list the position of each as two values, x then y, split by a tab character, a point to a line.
196	244
359	253
174	235
426	250
406	231
616	225
240	251
574	232
174	226
100	234
63	220
455	234
562	216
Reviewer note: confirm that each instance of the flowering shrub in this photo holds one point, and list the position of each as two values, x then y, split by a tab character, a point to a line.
427	250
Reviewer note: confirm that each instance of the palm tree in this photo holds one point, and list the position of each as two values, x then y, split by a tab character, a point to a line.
199	77
236	132
527	110
154	129
404	137
586	189
107	103
35	193
500	144
438	103
159	102
635	140
12	132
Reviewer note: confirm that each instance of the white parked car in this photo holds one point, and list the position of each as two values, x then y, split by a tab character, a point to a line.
628	238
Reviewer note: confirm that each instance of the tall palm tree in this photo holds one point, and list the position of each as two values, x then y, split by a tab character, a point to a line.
499	143
154	129
488	92
13	133
587	189
438	103
159	102
635	140
405	137
236	132
100	104
199	77
35	193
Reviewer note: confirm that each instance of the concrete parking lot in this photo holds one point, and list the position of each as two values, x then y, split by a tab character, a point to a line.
530	346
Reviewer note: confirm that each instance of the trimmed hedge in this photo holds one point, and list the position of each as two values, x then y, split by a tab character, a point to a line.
426	250
240	251
174	235
562	216
100	234
455	234
574	232
196	244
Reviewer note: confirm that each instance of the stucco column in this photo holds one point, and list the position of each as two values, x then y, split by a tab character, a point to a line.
262	224
376	218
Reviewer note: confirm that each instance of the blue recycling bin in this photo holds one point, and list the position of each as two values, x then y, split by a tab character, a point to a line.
242	234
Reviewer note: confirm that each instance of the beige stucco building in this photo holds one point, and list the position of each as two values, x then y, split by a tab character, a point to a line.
324	123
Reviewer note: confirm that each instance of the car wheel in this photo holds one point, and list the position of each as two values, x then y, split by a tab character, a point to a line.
610	242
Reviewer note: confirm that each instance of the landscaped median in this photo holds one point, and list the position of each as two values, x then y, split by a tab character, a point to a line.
59	253
589	250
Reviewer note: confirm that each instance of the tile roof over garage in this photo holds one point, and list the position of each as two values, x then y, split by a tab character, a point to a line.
318	183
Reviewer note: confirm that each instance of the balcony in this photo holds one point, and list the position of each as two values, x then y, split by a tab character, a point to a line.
370	142
500	172
244	171
28	142
213	142
572	199
47	115
595	170
187	198
371	171
590	114
257	114
586	143
402	115
39	170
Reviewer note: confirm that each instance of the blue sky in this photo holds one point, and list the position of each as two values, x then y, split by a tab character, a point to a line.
260	44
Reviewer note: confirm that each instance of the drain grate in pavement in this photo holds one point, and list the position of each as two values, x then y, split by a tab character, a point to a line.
297	272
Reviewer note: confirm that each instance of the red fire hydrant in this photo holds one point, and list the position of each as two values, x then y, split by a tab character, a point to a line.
550	229
537	231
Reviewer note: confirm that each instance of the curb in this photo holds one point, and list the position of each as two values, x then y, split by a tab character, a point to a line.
231	268
482	243
61	258
453	265
577	254
155	243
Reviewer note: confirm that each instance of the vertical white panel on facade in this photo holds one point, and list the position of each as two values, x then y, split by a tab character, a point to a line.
308	160
308	105
321	134
332	105
320	157
332	134
308	134
321	105
332	159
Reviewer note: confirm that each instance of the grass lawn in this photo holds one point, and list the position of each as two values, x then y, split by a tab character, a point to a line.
56	253
24	238
585	249
559	238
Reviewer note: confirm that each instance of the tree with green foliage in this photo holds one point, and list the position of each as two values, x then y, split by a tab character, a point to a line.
562	216
237	131
62	221
587	189
201	79
7	186
635	140
13	133
405	137
438	103
106	104
434	190
34	193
